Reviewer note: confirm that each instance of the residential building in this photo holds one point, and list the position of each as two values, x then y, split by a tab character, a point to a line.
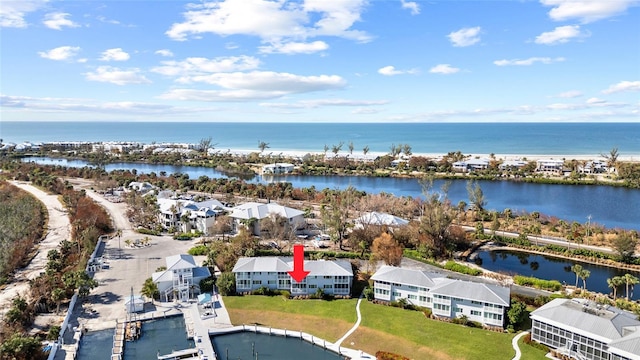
278	168
333	277
550	165
249	215
512	165
379	219
447	298
181	279
581	329
185	215
471	165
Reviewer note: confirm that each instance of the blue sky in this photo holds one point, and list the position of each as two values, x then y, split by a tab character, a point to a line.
321	61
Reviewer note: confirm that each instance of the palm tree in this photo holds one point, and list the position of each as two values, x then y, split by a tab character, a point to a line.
262	146
365	150
629	280
57	295
612	159
584	274
351	147
577	268
614	283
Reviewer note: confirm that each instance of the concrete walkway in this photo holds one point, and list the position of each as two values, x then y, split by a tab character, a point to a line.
514	343
354	327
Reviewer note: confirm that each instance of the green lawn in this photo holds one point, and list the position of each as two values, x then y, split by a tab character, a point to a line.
386	328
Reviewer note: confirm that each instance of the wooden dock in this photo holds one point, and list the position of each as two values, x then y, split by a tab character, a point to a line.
118	341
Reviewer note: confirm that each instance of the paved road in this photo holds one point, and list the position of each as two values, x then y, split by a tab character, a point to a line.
58	229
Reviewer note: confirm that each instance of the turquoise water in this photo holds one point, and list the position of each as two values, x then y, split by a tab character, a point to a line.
483	138
245	345
96	345
162	335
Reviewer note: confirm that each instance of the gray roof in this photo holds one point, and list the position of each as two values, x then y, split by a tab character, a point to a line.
260	211
476	291
604	324
405	276
284	264
182	261
628	345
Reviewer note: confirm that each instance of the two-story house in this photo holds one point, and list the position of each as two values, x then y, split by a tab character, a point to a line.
448	298
181	279
333	277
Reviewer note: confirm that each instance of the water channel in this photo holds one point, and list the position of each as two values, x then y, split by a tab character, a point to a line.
250	346
551	268
606	205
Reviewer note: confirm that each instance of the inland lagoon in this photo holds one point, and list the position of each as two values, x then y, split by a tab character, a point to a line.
551	268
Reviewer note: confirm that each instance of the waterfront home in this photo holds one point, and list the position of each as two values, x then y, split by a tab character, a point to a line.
277	168
379	219
333	277
181	279
249	215
550	166
447	298
582	329
512	165
185	215
471	165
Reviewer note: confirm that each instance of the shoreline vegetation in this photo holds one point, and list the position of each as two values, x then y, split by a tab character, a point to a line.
610	168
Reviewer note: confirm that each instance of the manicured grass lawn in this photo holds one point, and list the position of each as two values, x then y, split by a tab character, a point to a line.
529	352
386	328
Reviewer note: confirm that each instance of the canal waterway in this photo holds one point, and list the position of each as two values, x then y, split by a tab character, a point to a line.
613	207
250	346
550	268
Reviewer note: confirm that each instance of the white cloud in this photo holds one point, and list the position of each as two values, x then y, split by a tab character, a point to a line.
527	62
465	36
365	111
623	86
443	69
595	100
117	76
311	104
412	6
392	71
255	85
294	48
164	52
272	21
586	10
60	53
197	66
12	13
559	35
57	20
88	105
114	55
570	94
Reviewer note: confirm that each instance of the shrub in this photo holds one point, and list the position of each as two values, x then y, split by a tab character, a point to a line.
147	231
368	293
206	285
199	250
454	266
551	285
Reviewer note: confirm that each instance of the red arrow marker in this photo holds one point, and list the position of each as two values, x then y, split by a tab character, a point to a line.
298	274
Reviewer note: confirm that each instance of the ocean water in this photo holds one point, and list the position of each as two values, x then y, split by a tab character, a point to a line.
469	138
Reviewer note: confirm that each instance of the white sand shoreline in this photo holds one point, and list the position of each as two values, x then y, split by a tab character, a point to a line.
360	154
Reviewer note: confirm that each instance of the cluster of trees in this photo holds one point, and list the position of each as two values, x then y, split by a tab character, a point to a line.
22	219
64	271
627	280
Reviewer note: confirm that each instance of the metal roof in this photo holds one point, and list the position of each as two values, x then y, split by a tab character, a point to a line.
283	264
405	276
260	211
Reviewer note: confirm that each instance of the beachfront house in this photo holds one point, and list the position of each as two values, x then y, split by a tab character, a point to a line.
277	169
332	277
185	215
512	165
581	329
249	215
550	166
470	165
181	279
447	298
